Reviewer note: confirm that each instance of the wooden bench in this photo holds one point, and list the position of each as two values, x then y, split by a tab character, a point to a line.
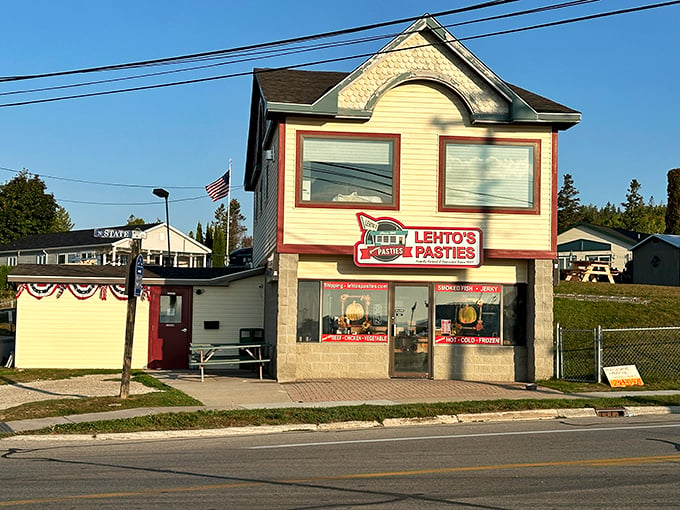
206	354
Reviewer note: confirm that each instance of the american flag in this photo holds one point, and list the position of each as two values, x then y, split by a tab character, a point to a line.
220	188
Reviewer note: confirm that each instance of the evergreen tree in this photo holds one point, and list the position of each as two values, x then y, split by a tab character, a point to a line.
568	205
633	216
237	228
673	207
62	221
655	216
25	208
219	247
209	236
199	232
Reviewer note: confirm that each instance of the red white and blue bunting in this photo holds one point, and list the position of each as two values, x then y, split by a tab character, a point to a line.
80	291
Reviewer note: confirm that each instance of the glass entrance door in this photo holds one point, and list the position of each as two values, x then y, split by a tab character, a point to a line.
410	332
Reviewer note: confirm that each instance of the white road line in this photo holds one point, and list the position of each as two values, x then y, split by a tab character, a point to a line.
465	436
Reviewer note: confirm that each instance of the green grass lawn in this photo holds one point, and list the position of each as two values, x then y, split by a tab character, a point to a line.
656	306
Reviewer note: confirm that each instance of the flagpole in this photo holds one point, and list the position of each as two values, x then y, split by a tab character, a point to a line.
226	249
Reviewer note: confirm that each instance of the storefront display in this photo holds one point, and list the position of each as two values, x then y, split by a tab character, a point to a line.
354	312
467	314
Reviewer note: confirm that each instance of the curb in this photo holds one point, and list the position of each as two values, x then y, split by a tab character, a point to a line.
537	414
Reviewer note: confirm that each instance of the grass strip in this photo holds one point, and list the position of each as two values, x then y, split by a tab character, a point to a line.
286	416
165	397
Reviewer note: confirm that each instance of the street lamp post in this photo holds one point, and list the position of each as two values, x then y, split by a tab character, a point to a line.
161	193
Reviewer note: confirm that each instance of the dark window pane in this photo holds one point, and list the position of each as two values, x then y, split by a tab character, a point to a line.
308	311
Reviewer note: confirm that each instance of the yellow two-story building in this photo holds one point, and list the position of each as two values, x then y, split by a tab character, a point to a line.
406	214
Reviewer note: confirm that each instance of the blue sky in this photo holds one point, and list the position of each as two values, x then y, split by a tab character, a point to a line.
621	72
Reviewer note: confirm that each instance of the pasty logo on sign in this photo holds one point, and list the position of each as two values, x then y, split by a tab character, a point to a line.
387	242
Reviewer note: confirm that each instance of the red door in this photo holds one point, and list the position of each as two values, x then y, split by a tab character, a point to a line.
171	320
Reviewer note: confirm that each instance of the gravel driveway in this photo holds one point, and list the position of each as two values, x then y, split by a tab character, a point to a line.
95	385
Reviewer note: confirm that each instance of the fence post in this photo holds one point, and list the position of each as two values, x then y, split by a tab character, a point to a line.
598	354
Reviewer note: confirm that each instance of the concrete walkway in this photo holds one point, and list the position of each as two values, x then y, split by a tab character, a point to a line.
243	390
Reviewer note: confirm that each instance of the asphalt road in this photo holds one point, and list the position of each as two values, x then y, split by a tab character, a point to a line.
578	463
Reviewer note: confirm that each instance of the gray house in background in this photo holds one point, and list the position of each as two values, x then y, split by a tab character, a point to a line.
657	260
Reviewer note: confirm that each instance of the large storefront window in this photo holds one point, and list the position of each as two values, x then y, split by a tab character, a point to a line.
467	314
354	312
343	311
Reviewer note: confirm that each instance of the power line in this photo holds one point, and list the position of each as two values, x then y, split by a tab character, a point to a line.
185	58
132	203
338	59
272	53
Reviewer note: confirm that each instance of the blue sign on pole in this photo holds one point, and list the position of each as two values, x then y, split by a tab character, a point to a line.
139	271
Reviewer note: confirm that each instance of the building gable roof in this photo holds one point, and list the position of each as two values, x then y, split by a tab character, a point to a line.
673	240
424	51
623	236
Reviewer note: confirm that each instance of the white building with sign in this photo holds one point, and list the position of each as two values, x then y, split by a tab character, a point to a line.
106	246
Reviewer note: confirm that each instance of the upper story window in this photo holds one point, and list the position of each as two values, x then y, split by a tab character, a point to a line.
489	174
346	169
41	259
11	261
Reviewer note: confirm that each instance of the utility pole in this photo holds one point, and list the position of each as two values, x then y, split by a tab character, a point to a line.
133	286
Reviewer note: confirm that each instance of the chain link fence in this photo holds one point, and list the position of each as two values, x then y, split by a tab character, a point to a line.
582	353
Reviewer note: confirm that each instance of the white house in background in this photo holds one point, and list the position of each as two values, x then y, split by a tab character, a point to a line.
586	241
82	247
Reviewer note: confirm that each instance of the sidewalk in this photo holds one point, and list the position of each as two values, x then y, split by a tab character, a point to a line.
243	390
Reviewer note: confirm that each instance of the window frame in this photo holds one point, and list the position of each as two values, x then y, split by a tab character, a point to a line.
444	141
394	138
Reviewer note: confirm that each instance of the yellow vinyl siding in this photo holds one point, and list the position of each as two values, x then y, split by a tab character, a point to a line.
420	113
66	332
237	306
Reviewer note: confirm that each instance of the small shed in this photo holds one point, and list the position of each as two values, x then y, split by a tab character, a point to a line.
75	316
657	260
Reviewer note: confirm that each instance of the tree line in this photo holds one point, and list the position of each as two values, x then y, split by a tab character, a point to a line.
633	214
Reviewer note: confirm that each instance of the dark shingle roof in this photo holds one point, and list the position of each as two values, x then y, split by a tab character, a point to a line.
539	103
66	239
306	87
296	87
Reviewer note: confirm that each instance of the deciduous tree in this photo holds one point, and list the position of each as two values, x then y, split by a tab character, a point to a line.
25	208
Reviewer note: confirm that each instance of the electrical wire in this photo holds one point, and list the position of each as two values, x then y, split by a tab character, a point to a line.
185	58
543	25
338	59
272	53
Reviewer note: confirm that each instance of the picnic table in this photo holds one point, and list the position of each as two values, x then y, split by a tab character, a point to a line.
587	271
228	353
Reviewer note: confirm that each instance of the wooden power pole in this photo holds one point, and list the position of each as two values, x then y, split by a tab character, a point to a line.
133	285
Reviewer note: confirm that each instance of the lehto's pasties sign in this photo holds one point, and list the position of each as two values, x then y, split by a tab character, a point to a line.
386	242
